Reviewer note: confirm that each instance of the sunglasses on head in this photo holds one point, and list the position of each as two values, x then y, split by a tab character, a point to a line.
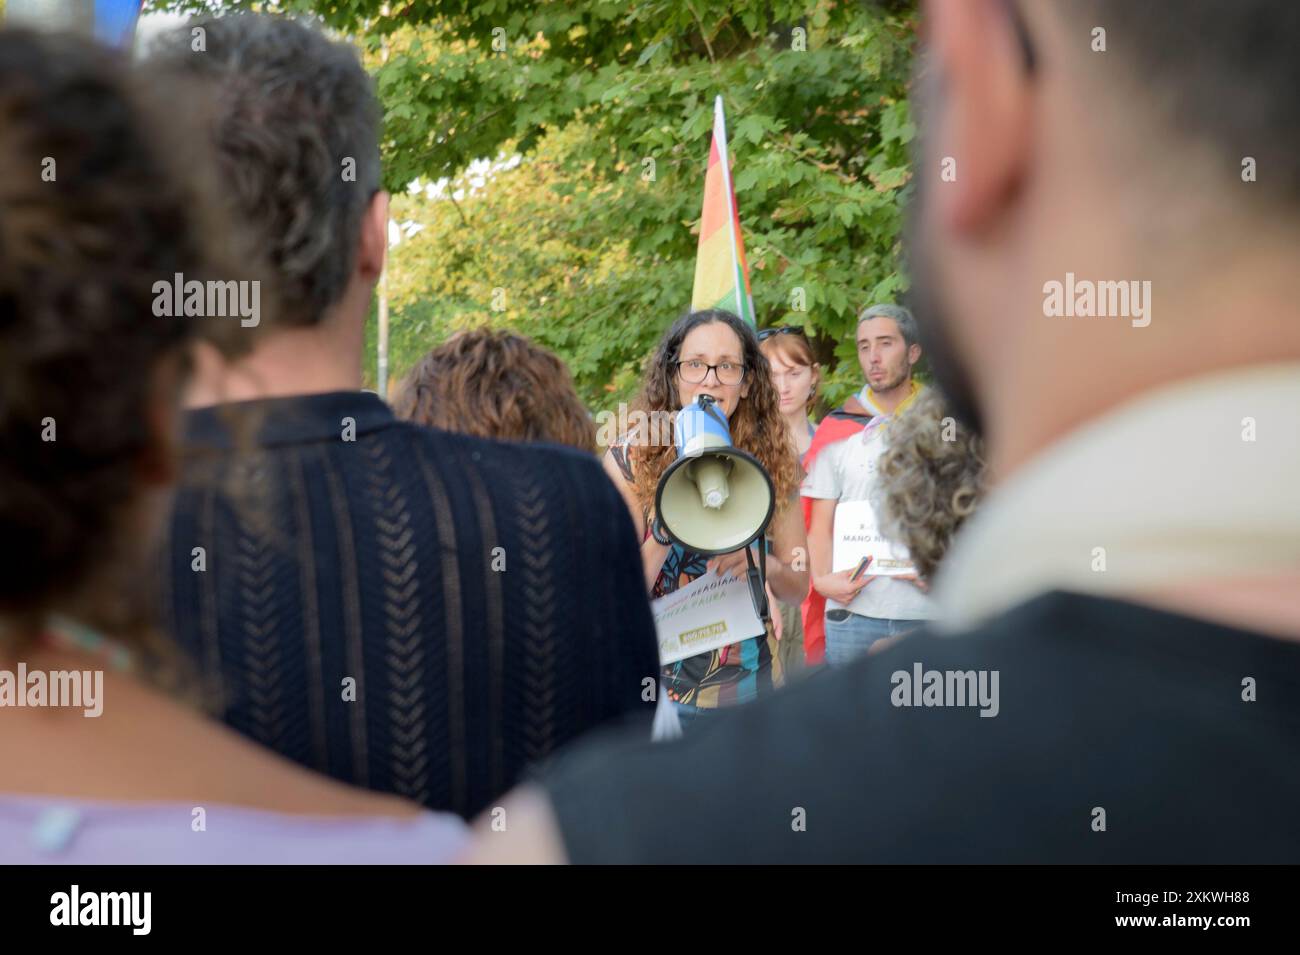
767	333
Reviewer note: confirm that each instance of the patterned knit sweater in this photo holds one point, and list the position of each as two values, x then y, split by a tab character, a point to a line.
406	609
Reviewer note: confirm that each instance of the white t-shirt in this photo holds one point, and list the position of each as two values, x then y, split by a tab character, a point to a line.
846	471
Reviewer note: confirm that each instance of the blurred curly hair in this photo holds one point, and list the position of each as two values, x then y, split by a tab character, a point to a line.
929	485
82	353
496	384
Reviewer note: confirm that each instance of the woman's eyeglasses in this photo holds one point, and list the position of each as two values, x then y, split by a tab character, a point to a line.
694	371
766	333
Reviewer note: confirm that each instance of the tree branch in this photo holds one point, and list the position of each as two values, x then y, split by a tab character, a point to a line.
703	36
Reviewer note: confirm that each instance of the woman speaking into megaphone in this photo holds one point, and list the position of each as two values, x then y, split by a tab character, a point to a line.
715	354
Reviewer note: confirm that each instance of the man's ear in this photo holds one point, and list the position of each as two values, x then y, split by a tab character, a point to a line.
982	103
913	354
373	246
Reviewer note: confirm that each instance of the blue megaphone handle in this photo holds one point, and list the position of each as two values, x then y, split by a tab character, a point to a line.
709	405
705	416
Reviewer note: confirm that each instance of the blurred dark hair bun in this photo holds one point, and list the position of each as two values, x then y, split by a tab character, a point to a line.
97	203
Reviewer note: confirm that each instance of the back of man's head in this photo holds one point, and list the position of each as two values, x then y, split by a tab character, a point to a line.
1202	75
1149	150
296	132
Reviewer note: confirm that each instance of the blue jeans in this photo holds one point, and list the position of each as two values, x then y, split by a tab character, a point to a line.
852	637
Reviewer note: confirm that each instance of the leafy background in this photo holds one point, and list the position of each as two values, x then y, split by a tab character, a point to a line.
555	152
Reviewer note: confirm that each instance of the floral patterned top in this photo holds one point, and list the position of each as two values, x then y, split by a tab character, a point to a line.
732	674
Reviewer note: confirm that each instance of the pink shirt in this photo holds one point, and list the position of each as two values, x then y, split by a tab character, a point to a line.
48	830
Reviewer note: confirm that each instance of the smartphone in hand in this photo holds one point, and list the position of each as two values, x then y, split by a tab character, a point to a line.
861	568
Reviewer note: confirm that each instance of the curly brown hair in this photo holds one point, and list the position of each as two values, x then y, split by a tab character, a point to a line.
496	384
82	354
756	426
932	477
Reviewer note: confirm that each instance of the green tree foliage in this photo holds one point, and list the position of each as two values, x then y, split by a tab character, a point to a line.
588	243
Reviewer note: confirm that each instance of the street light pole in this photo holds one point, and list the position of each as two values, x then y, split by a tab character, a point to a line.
382	344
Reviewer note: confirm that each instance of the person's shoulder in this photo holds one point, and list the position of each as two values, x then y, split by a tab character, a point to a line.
619	454
1058	663
490	449
103	831
837	426
545	467
943	747
823	743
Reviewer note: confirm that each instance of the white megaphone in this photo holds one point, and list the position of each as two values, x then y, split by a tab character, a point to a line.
715	498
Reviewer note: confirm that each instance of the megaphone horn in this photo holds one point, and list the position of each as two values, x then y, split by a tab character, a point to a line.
715	498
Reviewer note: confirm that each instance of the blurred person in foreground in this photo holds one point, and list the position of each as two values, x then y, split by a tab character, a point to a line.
796	376
1117	682
103	760
499	385
410	610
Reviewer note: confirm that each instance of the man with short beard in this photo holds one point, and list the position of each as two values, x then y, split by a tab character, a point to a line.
842	471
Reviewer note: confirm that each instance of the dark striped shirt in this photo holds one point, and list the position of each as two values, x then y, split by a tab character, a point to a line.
406	609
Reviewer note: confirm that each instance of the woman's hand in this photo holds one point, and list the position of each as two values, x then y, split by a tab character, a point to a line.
732	565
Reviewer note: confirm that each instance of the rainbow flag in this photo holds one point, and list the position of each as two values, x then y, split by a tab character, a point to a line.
721	274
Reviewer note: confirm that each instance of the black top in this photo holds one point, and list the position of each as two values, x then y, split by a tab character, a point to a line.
487	598
1108	714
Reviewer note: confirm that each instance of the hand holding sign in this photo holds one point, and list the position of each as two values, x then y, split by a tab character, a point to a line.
708	613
